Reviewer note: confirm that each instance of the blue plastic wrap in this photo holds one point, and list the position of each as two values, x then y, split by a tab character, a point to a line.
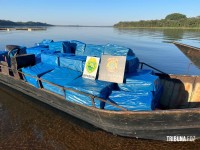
36	50
38	59
36	71
2	54
94	87
61	46
73	62
94	50
44	43
50	59
59	76
81	99
140	81
131	101
77	47
22	51
116	50
132	64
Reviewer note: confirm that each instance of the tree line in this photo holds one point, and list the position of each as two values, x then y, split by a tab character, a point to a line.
171	20
9	23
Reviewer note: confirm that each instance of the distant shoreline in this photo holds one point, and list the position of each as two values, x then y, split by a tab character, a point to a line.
195	28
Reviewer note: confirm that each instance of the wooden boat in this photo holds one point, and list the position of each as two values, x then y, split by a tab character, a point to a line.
193	53
177	116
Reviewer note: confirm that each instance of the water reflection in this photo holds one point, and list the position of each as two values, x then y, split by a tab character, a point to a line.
166	35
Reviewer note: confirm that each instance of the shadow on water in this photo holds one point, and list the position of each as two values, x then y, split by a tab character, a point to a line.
29	124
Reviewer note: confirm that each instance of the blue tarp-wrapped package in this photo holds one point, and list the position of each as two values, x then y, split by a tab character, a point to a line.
73	62
77	47
37	51
131	101
132	64
94	50
36	71
116	50
59	76
140	81
50	59
83	99
61	46
97	88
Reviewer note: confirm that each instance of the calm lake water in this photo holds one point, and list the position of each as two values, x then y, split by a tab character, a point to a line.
26	123
152	46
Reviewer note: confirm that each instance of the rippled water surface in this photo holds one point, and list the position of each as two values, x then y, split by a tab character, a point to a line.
26	123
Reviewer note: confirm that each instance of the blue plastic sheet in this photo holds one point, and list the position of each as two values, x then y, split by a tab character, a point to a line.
132	64
22	51
78	98
59	76
36	50
60	46
73	62
141	101
94	87
94	50
116	50
2	54
36	71
44	43
140	81
50	59
77	47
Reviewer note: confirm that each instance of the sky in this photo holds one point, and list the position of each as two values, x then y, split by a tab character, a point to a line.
94	12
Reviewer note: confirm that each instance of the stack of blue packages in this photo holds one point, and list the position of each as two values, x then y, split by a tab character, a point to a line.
140	81
116	50
49	62
32	73
97	88
140	101
73	62
141	91
59	76
94	50
60	46
77	47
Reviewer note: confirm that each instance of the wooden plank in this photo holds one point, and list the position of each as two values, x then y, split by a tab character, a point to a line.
195	97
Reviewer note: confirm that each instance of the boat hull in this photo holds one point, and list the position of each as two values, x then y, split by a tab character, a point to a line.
157	125
193	53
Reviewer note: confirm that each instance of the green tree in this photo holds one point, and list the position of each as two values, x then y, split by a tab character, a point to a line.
175	16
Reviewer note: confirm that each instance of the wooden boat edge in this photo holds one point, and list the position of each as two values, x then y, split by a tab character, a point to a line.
109	120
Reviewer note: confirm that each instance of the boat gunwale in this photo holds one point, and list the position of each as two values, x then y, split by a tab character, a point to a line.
188	46
126	112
